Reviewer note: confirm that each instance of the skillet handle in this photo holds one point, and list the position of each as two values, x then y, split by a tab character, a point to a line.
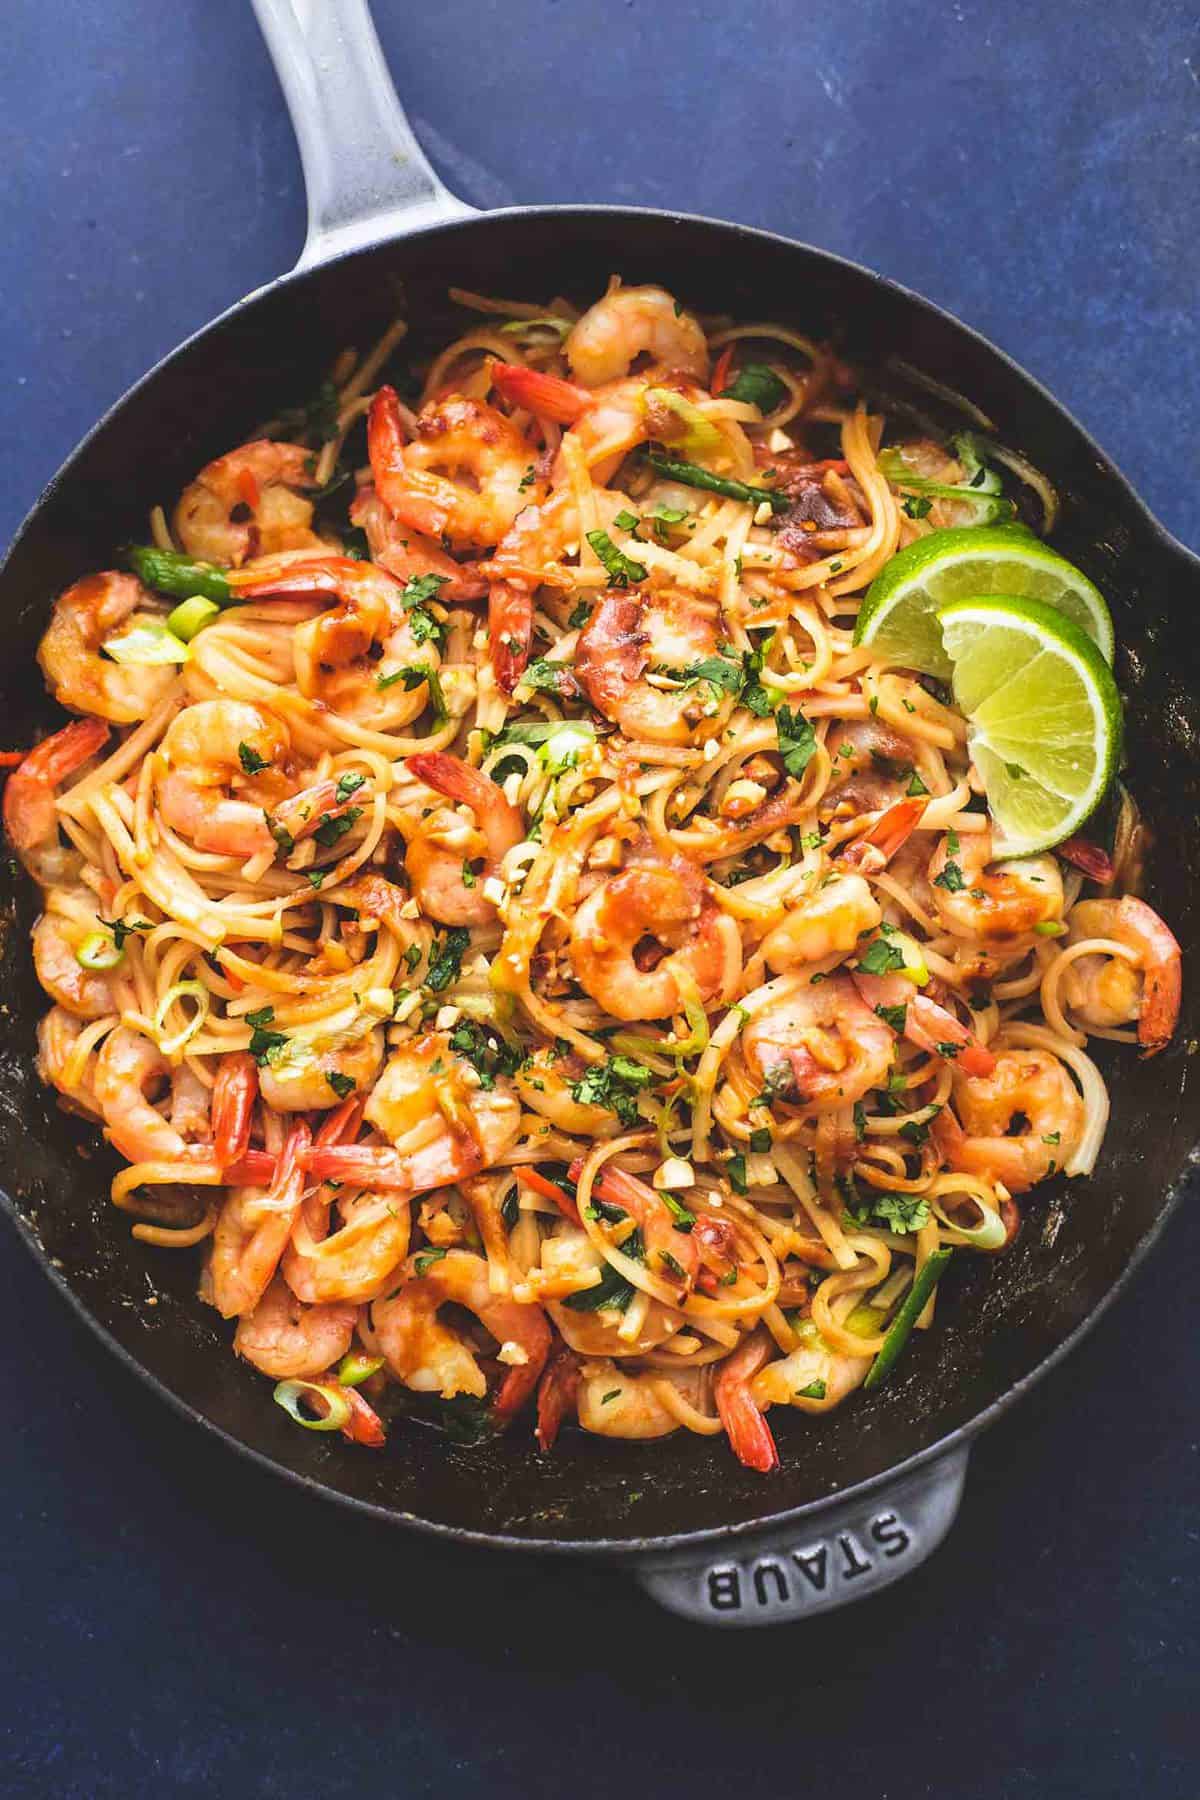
842	1554
366	176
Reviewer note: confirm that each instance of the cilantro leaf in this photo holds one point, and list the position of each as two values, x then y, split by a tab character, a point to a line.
797	740
757	384
614	1085
342	1085
445	959
265	1044
252	763
880	958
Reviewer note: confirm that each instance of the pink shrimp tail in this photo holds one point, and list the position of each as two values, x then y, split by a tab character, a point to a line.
510	632
558	1391
549	396
877	846
234	1092
746	1428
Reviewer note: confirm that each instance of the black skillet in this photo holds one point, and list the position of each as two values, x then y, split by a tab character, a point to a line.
865	1494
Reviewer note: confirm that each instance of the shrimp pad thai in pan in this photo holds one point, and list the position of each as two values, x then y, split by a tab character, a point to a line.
581	876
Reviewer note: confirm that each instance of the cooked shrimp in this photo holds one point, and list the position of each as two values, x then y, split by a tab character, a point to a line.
430	1358
748	1432
463	477
828	922
314	1080
441	1123
447	863
234	1092
549	396
57	1033
407	554
831	1374
630	633
55	941
128	1064
673	1256
630	322
931	1027
871	765
978	898
290	1341
558	1394
30	815
545	1080
253	1228
614	1402
246	504
643	940
1014	1125
820	1047
1108	991
77	674
228	766
356	1261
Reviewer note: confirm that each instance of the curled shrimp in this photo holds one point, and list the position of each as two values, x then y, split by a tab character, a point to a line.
235	1090
30	814
615	1402
931	1027
628	634
462	477
1108	991
288	1340
821	1047
253	1228
227	786
408	555
315	1080
56	939
354	1262
671	1255
247	504
830	1374
442	1124
549	396
644	940
57	1033
828	922
351	656
77	674
630	322
1015	1125
978	898
429	1357
871	765
127	1066
447	863
545	1080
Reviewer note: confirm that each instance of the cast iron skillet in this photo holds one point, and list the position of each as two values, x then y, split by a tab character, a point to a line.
711	1539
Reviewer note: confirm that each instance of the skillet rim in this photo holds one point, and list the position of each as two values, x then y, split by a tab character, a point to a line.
615	1549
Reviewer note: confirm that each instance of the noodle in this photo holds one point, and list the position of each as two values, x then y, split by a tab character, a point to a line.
584	968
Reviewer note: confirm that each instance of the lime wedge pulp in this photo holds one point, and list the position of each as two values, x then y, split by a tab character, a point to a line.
1043	716
899	615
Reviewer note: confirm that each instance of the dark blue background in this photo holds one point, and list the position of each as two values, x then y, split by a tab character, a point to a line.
176	1623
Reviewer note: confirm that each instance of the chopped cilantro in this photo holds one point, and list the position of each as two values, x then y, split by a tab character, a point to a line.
342	1085
579	615
757	384
335	826
252	763
895	1016
814	1391
683	1219
901	1213
797	740
348	784
265	1044
951	878
615	1085
445	959
880	958
612	1290
737	1173
425	1259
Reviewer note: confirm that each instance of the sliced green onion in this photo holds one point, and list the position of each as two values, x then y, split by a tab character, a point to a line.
147	645
515	327
171	573
99	951
355	1368
865	1321
691	475
914	1305
566	744
289	1394
991	1233
690	431
191	616
182	990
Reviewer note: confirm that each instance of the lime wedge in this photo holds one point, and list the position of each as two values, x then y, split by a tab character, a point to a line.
898	617
1043	714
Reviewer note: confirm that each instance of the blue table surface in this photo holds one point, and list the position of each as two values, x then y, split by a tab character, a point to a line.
177	1623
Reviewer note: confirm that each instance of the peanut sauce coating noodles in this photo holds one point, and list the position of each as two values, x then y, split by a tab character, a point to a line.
501	916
